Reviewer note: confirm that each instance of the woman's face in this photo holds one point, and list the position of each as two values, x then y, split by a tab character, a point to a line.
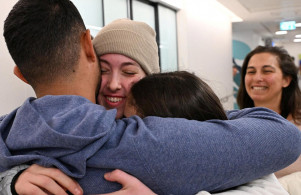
119	73
264	80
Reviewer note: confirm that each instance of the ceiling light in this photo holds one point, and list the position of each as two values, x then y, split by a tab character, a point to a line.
297	40
281	32
298	24
298	36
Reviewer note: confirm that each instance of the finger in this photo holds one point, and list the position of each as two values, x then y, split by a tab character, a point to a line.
32	190
120	176
29	189
34	181
58	176
130	184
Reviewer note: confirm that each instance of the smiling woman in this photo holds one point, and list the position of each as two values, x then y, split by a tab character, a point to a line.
118	75
264	81
269	78
127	51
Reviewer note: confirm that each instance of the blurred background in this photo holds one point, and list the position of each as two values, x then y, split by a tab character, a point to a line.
207	37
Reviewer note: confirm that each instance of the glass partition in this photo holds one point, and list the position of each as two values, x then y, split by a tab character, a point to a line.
91	12
168	39
114	9
144	12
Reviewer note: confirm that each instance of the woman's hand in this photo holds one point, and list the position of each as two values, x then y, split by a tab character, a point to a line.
130	184
37	180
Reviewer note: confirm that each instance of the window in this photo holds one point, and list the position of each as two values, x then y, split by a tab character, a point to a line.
97	13
91	11
168	39
144	12
114	9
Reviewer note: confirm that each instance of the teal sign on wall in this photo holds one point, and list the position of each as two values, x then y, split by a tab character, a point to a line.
239	51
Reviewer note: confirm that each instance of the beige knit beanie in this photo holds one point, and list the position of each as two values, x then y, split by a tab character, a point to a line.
136	40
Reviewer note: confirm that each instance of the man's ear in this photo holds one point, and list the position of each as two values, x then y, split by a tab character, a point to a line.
88	45
18	73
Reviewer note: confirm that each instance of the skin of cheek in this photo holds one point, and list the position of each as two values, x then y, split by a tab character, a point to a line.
274	84
126	85
120	110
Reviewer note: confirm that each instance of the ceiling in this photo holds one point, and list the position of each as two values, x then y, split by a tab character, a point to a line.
264	16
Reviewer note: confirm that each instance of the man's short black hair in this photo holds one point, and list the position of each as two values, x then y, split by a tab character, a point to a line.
43	38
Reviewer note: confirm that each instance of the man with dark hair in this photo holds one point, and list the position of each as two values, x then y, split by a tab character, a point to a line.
47	48
63	127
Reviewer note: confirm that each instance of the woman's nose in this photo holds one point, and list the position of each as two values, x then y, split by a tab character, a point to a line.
114	84
258	77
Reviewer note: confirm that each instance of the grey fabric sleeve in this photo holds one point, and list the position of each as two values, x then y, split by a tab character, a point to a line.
6	178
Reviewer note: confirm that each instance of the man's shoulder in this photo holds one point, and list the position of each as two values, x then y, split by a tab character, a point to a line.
2	117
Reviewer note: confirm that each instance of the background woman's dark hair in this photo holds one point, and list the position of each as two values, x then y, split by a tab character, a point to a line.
176	94
291	95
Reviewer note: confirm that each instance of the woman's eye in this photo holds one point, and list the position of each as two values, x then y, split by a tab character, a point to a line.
268	71
250	72
104	70
129	72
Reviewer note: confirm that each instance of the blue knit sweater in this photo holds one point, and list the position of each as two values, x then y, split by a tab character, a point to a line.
171	156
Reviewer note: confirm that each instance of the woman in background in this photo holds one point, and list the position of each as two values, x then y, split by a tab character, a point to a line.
269	78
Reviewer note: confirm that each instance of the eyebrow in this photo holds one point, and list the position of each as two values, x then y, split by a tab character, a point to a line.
269	66
264	66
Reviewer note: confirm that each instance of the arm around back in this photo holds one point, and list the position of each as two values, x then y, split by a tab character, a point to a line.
171	156
216	155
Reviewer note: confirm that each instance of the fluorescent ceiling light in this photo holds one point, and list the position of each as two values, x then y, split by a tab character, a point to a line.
298	36
281	32
298	24
297	40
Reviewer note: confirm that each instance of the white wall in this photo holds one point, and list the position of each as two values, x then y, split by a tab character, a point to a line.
205	47
13	91
294	49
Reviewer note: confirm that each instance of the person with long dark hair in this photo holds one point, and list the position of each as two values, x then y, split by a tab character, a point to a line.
269	78
181	94
177	94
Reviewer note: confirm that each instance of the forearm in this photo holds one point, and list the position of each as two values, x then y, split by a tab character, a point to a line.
224	154
183	157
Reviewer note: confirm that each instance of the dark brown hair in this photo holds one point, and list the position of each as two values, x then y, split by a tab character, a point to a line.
176	94
291	95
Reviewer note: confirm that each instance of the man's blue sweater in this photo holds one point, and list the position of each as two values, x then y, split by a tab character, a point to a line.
171	156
